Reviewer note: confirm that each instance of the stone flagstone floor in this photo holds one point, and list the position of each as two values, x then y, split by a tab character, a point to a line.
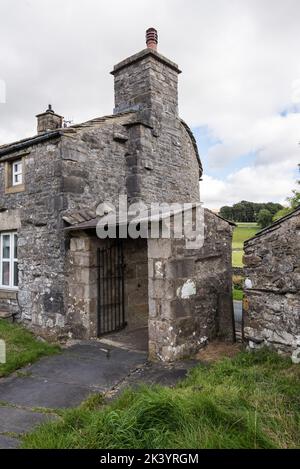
29	397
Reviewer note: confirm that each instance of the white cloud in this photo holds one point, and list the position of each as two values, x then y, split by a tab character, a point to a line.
263	183
240	63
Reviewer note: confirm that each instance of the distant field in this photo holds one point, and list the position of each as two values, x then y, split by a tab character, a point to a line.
242	232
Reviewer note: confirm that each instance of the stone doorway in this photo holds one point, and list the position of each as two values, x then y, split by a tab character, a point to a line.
133	332
111	293
92	306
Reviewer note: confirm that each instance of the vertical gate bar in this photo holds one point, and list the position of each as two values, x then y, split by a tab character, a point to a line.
122	282
102	295
113	313
119	289
98	293
110	289
103	292
118	284
106	290
115	284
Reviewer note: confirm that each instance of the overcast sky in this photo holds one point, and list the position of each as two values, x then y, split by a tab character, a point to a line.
239	90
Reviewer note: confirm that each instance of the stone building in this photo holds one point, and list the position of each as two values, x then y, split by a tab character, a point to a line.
272	302
58	277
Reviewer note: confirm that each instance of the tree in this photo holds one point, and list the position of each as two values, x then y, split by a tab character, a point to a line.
264	218
281	213
293	201
245	211
226	212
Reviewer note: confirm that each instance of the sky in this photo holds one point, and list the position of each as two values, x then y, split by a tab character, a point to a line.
239	90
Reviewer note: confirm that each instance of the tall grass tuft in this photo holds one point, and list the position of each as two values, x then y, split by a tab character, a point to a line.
250	401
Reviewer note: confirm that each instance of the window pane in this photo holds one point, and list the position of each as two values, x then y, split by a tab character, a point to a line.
6	247
15	246
5	273
18	179
17	173
16	274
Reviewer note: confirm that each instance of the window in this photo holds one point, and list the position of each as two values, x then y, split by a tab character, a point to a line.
8	260
17	176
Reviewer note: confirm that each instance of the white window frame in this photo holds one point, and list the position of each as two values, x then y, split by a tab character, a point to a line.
17	173
11	260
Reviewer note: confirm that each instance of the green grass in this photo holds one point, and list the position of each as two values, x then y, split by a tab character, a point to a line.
237	258
237	294
22	347
242	232
250	401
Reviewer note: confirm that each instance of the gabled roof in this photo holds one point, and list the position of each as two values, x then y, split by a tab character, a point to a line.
28	142
275	225
40	138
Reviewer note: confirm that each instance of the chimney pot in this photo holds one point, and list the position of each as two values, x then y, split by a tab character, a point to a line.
151	38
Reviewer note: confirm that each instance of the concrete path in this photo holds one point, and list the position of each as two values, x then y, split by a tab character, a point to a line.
31	396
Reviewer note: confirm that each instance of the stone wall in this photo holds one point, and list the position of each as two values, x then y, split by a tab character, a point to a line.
146	80
190	299
81	273
136	282
272	294
39	301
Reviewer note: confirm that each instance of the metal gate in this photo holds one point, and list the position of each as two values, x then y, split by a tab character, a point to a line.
111	314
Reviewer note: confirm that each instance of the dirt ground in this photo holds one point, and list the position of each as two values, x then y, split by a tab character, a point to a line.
216	350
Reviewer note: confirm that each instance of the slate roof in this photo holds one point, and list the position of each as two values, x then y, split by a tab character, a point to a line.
28	142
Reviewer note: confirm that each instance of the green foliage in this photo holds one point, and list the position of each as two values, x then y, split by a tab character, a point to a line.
22	347
247	211
264	218
237	294
281	213
293	201
251	401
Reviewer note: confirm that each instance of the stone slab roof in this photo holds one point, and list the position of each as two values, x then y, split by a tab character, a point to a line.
88	219
27	142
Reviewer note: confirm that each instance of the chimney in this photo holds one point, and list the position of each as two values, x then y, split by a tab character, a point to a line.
151	38
48	121
147	81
